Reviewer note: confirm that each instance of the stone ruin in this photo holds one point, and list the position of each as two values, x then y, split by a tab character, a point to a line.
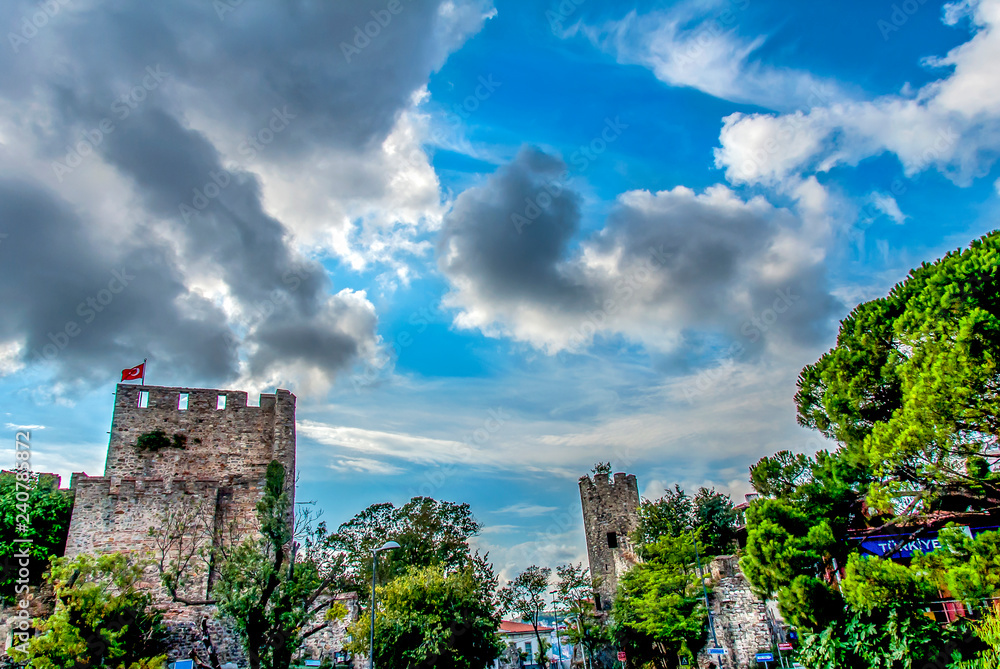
212	466
744	623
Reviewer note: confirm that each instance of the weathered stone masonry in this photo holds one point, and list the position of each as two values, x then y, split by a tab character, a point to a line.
610	516
221	467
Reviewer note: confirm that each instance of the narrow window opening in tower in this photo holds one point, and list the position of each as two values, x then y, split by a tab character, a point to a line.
612	540
143	399
182	402
220	403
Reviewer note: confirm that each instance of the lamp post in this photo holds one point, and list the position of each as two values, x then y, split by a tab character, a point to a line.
389	545
558	642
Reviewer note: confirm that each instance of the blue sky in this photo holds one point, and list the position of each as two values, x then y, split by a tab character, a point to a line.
489	245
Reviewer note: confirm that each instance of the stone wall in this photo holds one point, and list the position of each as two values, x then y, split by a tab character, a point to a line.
741	618
610	515
218	475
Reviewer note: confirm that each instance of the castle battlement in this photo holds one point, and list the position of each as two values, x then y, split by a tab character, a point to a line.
610	516
215	462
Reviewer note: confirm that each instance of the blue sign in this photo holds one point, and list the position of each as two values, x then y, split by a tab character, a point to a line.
765	657
182	664
716	651
883	545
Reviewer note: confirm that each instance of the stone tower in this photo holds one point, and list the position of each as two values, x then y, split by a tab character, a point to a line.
216	463
610	515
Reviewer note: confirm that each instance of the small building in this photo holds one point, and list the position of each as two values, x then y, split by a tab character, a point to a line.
522	645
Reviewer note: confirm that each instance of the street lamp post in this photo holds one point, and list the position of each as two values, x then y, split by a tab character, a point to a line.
389	545
558	642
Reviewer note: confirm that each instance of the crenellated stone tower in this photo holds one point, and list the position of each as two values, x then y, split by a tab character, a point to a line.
610	515
216	462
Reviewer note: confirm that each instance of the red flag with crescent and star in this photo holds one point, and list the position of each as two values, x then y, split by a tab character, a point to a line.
137	372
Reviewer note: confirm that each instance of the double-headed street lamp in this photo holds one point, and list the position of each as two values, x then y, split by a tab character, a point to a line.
389	545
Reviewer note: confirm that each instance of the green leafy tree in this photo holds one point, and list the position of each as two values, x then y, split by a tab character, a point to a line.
271	596
659	611
31	507
988	630
886	623
966	568
429	619
668	516
428	531
912	385
102	617
525	597
709	513
585	628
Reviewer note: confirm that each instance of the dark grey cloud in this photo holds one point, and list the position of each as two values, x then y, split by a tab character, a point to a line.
161	104
664	267
512	233
77	303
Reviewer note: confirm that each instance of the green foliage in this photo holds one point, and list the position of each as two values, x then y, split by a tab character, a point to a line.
873	583
525	597
913	384
429	619
429	532
896	637
780	474
47	511
102	618
584	627
796	532
157	440
709	513
266	591
659	609
967	568
602	469
989	632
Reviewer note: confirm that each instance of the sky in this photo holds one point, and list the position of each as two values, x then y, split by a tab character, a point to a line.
487	244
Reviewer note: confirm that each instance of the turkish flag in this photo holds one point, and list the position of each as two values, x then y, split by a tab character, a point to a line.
134	373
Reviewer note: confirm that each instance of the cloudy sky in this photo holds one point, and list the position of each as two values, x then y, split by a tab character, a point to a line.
486	243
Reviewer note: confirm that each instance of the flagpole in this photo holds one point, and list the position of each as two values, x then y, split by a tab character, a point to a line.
143	381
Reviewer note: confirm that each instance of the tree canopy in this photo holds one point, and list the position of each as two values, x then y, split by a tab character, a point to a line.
44	512
102	617
429	619
429	532
912	386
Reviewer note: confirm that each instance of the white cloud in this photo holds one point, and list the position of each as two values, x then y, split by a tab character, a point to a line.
366	466
696	44
952	124
663	265
887	205
15	426
525	510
